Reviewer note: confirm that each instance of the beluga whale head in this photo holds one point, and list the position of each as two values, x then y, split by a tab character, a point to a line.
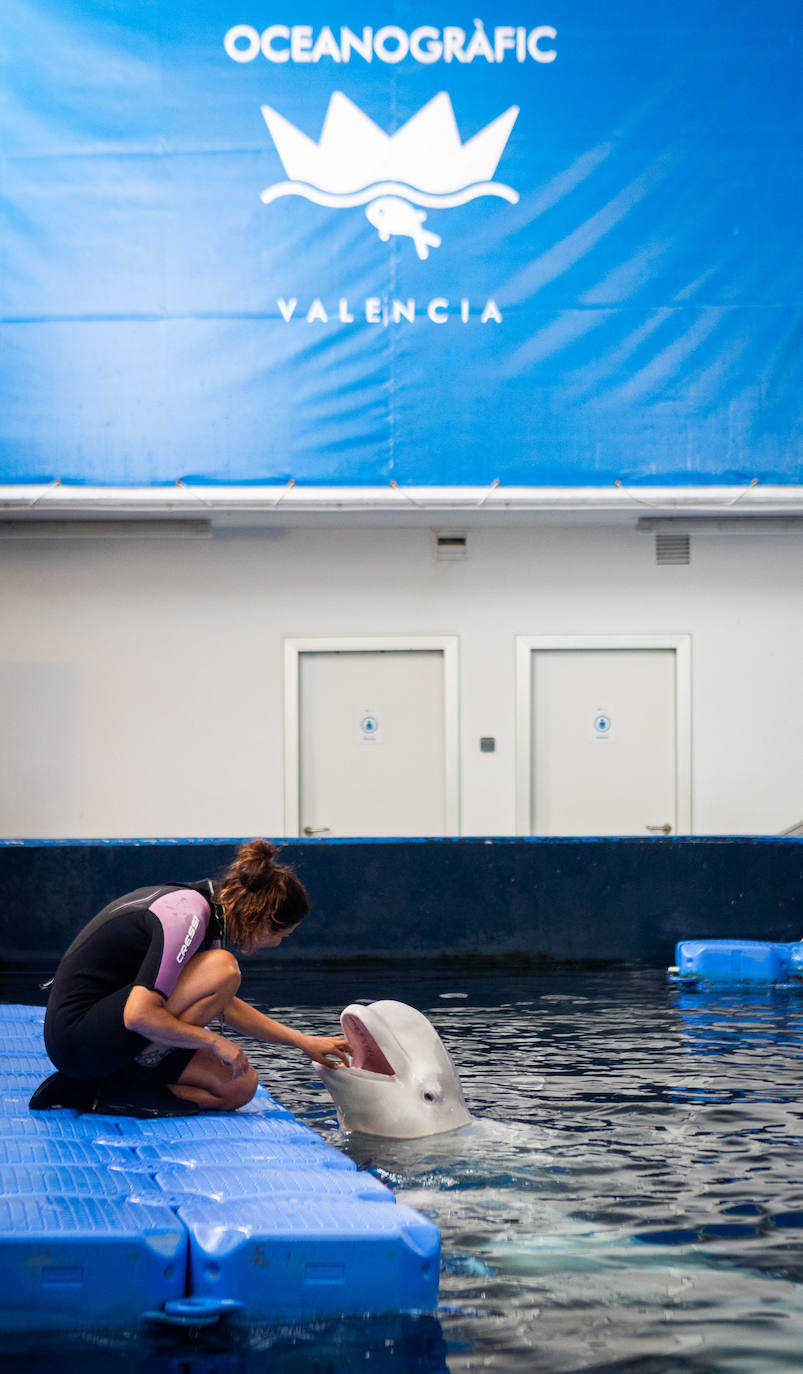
400	1082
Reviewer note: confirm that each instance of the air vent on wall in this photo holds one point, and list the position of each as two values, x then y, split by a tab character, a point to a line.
672	548
451	548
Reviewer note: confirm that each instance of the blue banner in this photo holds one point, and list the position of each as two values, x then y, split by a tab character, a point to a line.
350	244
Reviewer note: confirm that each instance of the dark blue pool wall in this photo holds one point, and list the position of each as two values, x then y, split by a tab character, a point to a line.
563	900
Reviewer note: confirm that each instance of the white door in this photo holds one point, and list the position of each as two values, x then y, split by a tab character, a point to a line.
605	742
372	743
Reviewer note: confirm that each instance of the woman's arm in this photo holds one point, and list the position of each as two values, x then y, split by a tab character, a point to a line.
146	1013
323	1049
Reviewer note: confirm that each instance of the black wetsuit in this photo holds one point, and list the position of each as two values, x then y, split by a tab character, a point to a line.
143	939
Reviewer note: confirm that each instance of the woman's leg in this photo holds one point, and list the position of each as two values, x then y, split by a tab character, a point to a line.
203	991
209	1083
205	987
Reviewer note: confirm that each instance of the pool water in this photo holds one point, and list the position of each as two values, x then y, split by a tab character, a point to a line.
628	1197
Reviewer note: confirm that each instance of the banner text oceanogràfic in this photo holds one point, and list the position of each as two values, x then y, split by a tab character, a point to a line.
426	44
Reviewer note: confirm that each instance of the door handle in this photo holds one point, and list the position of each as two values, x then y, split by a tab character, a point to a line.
321	830
664	829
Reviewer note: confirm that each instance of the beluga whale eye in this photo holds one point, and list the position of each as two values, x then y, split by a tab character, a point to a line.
430	1096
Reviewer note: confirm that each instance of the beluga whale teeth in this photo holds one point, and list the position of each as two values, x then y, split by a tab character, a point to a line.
400	1082
366	1056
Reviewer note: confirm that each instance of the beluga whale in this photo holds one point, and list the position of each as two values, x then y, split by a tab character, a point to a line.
400	1082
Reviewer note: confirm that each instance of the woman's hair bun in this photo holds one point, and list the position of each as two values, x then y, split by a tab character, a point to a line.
255	864
258	895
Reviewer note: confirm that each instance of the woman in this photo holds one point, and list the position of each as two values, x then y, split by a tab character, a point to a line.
127	1021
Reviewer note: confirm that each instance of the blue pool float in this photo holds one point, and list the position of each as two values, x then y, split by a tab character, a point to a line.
107	1222
754	962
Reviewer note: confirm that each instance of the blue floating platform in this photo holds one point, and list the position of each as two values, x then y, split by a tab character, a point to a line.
224	1184
61	1125
754	962
34	1150
312	1256
276	1154
72	1262
105	1221
50	1180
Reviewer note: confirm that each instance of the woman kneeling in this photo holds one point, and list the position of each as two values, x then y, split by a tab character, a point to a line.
131	1003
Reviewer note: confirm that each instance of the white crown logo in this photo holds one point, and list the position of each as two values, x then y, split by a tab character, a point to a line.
423	163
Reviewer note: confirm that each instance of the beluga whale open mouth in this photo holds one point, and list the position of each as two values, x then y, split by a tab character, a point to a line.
401	1082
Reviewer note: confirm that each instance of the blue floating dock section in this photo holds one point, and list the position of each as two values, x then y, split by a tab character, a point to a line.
106	1221
756	962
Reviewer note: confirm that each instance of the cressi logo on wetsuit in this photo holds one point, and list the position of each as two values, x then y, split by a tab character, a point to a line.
190	936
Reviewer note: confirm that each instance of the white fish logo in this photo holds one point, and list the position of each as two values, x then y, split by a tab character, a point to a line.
425	163
392	215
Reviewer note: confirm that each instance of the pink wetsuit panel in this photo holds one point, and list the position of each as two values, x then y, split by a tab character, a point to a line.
184	917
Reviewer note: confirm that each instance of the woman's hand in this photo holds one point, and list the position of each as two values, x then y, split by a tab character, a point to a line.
230	1054
330	1051
146	1013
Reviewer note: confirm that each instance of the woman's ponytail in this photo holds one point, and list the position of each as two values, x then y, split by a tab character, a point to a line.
258	894
254	864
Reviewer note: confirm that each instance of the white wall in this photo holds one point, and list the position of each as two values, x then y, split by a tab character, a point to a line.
141	682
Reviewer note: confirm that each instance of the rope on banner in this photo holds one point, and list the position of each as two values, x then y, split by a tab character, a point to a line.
193	492
495	483
55	483
289	487
418	504
661	505
210	505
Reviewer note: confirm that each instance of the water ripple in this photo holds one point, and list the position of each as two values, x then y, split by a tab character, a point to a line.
628	1194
